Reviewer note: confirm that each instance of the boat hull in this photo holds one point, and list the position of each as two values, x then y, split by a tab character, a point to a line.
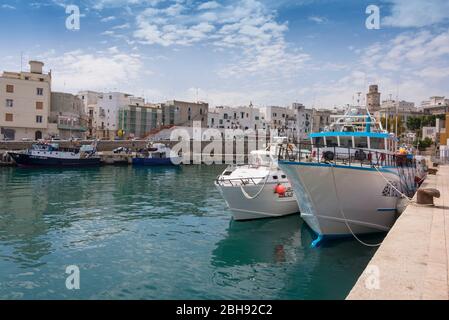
267	205
154	162
360	201
26	160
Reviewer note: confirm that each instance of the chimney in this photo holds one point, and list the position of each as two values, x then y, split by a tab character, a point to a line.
36	67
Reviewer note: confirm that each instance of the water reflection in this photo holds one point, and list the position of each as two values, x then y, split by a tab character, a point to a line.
261	241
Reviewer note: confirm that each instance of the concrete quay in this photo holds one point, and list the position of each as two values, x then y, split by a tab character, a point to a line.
412	262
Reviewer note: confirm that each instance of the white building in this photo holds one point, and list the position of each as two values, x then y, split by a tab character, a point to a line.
299	125
400	106
435	105
243	118
276	117
25	103
103	111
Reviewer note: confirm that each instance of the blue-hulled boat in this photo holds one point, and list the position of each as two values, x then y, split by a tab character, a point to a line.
157	154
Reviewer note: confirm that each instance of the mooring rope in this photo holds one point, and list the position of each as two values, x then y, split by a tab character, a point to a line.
344	217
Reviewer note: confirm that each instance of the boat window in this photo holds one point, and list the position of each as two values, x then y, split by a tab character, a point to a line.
331	142
318	141
361	142
378	143
227	173
346	142
284	176
275	177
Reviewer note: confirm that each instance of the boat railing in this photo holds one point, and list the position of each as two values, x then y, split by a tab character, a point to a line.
239	181
343	156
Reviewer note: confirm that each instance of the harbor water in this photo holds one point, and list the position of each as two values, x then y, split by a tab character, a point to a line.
156	233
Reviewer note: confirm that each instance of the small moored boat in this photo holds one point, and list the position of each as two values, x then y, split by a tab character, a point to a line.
257	190
157	154
51	155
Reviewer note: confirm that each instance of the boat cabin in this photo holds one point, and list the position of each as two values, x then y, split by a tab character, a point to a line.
371	141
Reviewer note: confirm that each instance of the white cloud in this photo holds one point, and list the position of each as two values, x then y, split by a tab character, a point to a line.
107	19
209	5
8	6
80	70
122	26
317	19
247	27
416	13
413	65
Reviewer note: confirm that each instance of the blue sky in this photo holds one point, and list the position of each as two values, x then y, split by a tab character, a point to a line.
230	52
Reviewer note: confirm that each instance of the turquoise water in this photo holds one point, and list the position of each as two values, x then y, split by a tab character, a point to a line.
156	233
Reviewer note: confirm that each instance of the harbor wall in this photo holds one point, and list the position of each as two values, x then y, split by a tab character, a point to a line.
231	150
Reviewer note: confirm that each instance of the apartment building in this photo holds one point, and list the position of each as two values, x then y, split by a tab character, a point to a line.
244	118
103	110
183	113
435	105
90	100
276	117
299	125
67	117
139	121
25	103
403	109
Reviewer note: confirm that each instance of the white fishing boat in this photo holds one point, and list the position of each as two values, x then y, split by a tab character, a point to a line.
355	181
259	189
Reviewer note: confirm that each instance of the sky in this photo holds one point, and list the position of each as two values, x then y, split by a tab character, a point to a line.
229	52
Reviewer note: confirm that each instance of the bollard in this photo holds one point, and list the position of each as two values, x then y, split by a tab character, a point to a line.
425	196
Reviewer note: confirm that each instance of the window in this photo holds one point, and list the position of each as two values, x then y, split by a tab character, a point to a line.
9	103
39	105
9	88
8	117
40	91
361	142
110	97
38	119
346	142
377	143
331	142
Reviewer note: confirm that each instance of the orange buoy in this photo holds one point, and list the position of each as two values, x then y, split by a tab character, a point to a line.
280	190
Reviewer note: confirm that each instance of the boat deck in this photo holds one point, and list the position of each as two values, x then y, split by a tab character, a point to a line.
412	262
